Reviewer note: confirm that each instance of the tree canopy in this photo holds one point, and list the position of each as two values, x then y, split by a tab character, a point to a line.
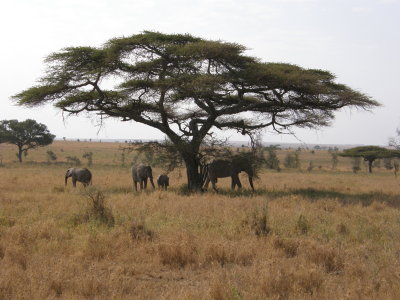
25	135
187	87
370	153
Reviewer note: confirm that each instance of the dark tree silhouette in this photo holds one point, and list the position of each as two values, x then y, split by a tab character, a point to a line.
25	135
370	154
187	88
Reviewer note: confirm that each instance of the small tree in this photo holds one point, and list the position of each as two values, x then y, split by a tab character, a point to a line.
25	135
89	157
335	159
356	164
272	160
73	160
51	156
370	154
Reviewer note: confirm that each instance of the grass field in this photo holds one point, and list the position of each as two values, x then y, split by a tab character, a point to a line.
324	234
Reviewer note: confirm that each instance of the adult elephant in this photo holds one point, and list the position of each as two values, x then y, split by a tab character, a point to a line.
222	168
140	173
82	175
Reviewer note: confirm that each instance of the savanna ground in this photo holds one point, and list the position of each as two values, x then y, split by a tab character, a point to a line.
324	234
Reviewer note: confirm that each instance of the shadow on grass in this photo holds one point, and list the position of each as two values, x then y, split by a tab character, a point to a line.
311	194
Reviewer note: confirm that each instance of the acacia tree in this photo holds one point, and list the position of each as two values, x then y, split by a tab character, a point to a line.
370	154
188	87
25	135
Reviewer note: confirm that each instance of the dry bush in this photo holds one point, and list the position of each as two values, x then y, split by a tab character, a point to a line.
178	254
139	232
258	221
342	229
96	210
221	287
227	254
326	256
302	225
289	247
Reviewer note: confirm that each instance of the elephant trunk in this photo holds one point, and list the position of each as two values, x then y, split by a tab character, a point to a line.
66	179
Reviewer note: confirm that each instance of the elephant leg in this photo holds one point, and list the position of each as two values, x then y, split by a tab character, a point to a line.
73	182
141	185
207	183
213	182
135	185
145	183
233	183
236	180
152	182
251	182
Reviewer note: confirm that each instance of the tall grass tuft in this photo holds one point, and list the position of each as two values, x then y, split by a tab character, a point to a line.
96	210
139	232
258	220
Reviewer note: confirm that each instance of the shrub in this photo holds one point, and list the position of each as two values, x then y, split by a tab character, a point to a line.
302	225
139	232
51	156
289	247
178	254
96	210
356	164
258	221
74	160
272	161
89	157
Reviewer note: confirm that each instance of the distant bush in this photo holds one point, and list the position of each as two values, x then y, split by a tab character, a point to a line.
74	160
89	157
292	160
51	156
356	164
272	161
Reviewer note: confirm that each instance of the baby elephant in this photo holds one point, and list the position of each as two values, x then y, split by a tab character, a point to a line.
81	175
163	181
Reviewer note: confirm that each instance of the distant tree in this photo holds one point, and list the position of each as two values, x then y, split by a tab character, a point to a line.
292	160
370	154
89	157
25	135
356	164
74	160
310	166
188	88
335	159
388	163
395	141
272	160
51	156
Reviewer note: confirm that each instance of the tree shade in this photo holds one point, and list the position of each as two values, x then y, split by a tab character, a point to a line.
187	87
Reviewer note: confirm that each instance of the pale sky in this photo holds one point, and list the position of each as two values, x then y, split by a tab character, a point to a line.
357	40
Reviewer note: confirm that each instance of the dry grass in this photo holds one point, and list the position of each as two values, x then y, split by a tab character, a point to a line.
318	235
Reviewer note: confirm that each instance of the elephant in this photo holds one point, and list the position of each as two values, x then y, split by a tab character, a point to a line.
140	173
82	175
221	168
163	181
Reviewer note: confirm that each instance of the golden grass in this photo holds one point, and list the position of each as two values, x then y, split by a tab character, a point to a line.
327	235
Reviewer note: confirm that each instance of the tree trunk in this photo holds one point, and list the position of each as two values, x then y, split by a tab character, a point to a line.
194	177
19	154
370	165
